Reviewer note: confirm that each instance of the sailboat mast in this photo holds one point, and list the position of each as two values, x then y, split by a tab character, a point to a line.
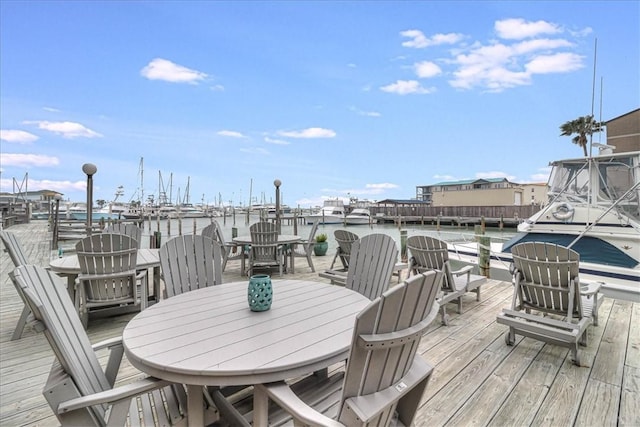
141	180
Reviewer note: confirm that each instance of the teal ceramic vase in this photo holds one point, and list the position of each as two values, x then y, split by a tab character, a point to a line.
260	294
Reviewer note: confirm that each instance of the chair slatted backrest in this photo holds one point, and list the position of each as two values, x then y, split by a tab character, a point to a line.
344	240
386	337
371	266
190	262
212	231
14	248
547	278
264	242
107	265
47	296
429	253
312	235
130	230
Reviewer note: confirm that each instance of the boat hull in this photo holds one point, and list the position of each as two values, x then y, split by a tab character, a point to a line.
617	282
325	219
357	221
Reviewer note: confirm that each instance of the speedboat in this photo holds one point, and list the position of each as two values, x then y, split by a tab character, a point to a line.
593	209
358	216
331	213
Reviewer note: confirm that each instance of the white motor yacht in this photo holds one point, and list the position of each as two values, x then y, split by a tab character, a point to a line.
358	216
331	213
593	209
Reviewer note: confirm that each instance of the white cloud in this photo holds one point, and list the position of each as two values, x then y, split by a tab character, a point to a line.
365	113
405	87
28	160
217	88
163	69
525	48
46	184
51	109
18	136
498	66
231	134
255	150
308	133
66	129
419	40
276	141
556	63
518	28
427	69
382	186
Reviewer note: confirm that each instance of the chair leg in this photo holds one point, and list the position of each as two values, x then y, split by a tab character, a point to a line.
22	321
310	261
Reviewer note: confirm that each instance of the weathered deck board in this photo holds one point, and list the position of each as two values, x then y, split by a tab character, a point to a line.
478	380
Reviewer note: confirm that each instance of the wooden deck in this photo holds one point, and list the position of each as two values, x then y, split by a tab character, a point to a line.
478	379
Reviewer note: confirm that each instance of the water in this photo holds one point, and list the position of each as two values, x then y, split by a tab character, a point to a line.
172	228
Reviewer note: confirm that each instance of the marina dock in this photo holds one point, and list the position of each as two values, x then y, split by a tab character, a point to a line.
478	380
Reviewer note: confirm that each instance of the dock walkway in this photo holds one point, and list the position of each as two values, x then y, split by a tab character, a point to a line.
478	380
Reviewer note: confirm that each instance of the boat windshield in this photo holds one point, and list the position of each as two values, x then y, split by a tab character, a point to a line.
601	181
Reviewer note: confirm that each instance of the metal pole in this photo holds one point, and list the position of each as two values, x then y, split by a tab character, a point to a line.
277	183
90	169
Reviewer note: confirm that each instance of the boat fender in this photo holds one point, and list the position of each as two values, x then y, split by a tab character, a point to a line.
563	211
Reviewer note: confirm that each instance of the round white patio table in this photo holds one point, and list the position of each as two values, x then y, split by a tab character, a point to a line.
210	336
283	239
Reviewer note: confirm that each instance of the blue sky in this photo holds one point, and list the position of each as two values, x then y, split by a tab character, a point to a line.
334	98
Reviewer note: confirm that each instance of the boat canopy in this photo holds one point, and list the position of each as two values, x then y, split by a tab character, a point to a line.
614	179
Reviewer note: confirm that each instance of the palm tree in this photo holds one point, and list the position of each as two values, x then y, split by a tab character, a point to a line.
582	126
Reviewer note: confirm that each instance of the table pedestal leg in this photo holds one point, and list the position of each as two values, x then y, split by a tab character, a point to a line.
260	407
195	406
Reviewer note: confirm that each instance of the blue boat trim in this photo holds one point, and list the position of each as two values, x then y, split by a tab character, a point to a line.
592	272
591	249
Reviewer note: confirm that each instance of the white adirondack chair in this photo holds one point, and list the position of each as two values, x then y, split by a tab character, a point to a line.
384	379
230	250
108	280
265	251
371	264
304	249
78	390
547	283
190	262
130	230
18	257
345	240
429	253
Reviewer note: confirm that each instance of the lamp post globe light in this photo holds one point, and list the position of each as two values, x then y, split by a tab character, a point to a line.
89	169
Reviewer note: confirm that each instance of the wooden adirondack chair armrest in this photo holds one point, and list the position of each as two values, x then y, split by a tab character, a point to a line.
369	406
285	398
142	274
464	270
105	276
116	351
126	391
108	343
589	289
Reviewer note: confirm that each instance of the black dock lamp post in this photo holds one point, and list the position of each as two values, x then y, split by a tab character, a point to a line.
56	218
89	169
277	183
